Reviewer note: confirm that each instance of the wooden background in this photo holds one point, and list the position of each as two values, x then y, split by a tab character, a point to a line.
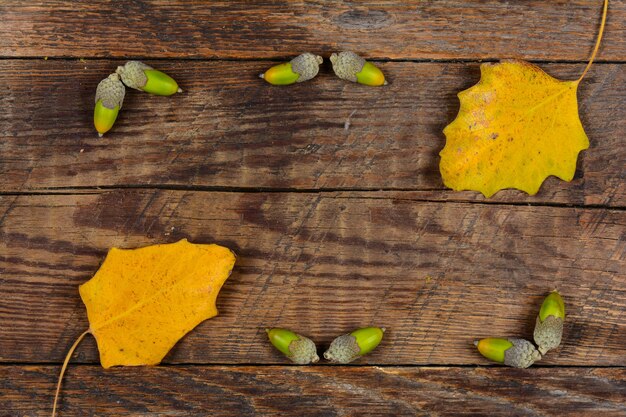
334	228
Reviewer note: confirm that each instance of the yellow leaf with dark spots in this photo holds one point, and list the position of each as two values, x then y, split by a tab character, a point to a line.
515	128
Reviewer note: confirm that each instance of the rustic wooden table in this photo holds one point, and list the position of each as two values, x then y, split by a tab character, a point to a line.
333	228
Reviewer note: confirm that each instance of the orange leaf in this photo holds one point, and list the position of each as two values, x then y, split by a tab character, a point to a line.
142	301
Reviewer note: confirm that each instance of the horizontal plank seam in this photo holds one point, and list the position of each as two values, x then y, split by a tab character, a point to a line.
287	58
317	365
94	190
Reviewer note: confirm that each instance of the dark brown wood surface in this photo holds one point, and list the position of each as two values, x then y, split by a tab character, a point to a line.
317	391
449	29
436	275
334	228
232	130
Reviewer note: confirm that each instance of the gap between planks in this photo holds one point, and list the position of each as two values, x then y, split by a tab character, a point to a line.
396	194
289	57
72	363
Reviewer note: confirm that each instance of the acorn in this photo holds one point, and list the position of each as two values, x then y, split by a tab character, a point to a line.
143	77
109	98
299	349
549	324
518	353
301	68
351	346
351	67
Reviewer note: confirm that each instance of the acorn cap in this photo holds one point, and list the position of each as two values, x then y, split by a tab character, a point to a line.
347	65
306	65
111	92
344	349
303	351
522	354
548	333
133	75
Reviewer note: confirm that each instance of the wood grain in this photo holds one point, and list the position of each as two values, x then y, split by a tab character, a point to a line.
334	227
437	276
229	129
314	391
451	29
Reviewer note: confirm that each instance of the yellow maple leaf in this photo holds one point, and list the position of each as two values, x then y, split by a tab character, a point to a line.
142	301
514	128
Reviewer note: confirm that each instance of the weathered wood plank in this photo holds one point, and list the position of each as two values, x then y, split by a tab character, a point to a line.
451	29
230	129
315	391
435	275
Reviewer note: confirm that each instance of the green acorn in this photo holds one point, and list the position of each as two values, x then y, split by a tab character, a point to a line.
351	346
349	66
301	68
518	353
142	77
549	324
109	98
299	349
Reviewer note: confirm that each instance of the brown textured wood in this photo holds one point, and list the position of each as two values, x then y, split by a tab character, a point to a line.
230	129
437	268
437	276
451	29
315	391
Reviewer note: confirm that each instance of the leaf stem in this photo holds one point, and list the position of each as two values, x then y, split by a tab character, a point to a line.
595	49
67	360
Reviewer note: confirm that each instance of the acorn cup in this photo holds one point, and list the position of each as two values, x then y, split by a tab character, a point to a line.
549	325
512	351
299	349
143	77
351	67
109	98
349	347
302	68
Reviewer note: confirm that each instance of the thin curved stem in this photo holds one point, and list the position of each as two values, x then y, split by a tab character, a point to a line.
595	49
67	360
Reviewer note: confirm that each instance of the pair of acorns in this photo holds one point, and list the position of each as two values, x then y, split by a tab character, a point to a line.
134	74
111	91
520	353
347	66
344	349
